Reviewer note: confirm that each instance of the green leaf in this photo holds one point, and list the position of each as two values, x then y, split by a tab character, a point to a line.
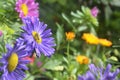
113	62
82	28
108	12
51	64
66	18
59	34
65	59
29	77
80	13
115	2
76	15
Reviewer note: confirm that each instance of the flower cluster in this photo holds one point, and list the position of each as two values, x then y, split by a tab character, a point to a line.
97	73
92	39
35	38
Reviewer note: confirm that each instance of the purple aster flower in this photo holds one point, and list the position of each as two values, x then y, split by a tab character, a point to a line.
99	73
12	63
27	8
36	35
109	75
87	76
103	74
94	11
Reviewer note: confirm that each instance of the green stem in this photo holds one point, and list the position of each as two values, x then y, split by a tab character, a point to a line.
68	58
98	50
68	47
88	51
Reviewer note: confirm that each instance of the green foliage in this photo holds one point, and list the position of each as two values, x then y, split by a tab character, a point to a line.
59	35
84	17
61	2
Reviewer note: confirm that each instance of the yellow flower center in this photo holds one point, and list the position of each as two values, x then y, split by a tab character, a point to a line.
37	37
24	9
12	62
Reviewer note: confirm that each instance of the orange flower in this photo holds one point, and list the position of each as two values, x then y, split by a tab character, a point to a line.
70	35
82	59
90	38
105	42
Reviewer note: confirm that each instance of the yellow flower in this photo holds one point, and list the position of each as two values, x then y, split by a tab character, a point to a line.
70	35
90	38
82	59
105	42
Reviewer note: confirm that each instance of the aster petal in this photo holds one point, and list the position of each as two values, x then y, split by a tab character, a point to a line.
47	51
24	61
22	54
20	73
47	33
3	61
80	78
42	27
89	76
29	24
26	37
116	73
93	68
8	47
22	66
107	70
37	52
13	76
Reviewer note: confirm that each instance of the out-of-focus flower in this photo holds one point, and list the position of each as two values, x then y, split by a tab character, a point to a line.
1	33
27	8
70	35
39	64
82	59
87	76
12	64
99	73
107	75
90	38
37	37
105	42
94	11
